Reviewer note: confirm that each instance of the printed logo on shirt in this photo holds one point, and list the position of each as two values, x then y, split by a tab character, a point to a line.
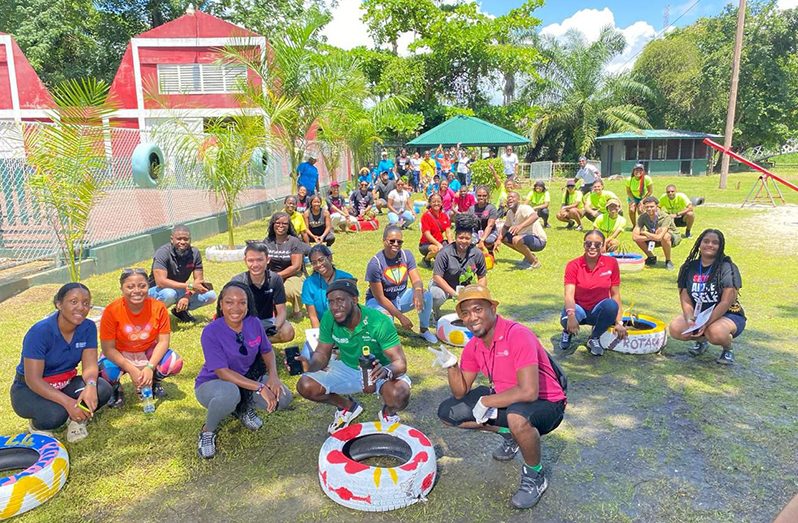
395	274
505	352
606	273
136	332
80	345
255	342
701	292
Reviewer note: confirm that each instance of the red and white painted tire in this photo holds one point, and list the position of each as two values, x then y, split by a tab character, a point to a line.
377	489
365	225
651	338
628	262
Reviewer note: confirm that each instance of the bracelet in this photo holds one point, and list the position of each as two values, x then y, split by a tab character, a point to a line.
150	366
260	388
189	287
91	383
570	311
188	294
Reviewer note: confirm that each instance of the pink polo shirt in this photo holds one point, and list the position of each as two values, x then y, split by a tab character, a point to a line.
514	347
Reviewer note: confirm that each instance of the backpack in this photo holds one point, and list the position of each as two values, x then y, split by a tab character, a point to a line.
561	377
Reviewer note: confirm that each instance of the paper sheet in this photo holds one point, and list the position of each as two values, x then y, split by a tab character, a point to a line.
700	320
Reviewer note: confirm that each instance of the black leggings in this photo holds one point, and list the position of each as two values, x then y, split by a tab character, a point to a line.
46	414
544	215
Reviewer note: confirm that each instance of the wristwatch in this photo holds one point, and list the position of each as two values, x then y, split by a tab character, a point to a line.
91	383
389	376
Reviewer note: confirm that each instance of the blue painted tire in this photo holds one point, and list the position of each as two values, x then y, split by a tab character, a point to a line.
259	161
147	164
46	464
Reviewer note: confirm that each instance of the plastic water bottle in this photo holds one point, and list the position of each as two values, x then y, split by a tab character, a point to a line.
147	400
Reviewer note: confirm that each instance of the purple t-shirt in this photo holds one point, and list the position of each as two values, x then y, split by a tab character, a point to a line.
221	350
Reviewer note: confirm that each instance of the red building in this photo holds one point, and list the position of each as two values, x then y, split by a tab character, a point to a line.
23	96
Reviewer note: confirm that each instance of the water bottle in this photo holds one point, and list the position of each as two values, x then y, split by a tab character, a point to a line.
366	363
147	400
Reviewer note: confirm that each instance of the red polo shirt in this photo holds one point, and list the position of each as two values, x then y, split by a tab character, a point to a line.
592	286
435	225
514	347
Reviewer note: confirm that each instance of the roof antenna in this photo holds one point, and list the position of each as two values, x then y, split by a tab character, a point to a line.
190	9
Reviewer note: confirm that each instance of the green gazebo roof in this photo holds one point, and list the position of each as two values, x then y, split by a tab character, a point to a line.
469	131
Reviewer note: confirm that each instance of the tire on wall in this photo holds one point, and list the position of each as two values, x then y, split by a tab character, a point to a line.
220	253
259	161
647	336
147	164
377	489
628	262
450	329
46	465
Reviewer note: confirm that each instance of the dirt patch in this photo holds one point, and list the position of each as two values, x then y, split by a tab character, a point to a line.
763	226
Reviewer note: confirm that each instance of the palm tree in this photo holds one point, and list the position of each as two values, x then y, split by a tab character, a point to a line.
69	163
580	99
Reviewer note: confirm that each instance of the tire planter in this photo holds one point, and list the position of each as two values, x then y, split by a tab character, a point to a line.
419	206
451	330
96	314
647	336
365	225
46	465
377	489
628	262
219	253
259	161
147	164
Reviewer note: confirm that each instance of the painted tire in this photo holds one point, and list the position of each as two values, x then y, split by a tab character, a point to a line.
647	340
365	225
219	253
259	161
47	469
628	262
452	331
147	164
490	260
419	206
377	489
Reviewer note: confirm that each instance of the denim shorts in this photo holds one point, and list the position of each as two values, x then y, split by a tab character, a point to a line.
340	378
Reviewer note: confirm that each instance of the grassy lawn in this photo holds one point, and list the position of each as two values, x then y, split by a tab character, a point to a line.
661	437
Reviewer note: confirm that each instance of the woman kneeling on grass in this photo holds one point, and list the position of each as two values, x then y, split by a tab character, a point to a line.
231	345
708	278
135	334
47	389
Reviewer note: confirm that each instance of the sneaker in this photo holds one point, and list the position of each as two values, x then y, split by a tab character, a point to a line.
388	420
536	265
699	348
426	263
250	419
344	417
547	226
76	431
117	398
507	450
651	261
669	265
429	336
726	357
533	485
570	225
579	227
157	390
183	316
34	430
565	340
687	234
206	445
594	347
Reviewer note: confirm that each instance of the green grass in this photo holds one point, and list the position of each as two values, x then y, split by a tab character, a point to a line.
645	438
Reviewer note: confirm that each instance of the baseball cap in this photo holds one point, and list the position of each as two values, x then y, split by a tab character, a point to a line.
614	201
346	285
570	182
473	292
639	166
582	158
334	183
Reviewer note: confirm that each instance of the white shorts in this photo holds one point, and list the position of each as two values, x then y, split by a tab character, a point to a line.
340	378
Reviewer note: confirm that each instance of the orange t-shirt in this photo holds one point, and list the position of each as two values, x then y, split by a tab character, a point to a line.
134	332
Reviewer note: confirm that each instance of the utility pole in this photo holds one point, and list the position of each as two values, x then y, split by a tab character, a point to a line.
727	138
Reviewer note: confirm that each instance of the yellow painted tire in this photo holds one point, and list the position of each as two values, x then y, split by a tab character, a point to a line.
46	464
647	340
451	330
358	486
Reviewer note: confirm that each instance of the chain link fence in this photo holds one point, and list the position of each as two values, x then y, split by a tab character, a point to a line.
125	209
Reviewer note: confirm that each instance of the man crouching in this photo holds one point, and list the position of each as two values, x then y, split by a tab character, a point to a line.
524	400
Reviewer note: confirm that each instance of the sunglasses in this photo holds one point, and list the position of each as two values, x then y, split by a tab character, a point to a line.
592	244
255	243
395	242
240	340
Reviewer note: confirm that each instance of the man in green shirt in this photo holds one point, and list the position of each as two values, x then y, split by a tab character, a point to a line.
679	207
611	225
352	328
596	200
655	229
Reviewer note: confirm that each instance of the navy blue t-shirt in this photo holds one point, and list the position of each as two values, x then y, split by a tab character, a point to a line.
44	341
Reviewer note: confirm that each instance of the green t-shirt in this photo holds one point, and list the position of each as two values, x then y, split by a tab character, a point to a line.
571	198
538	198
634	185
501	200
677	205
376	330
599	201
607	225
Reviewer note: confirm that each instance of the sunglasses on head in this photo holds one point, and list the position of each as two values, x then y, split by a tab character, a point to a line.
134	270
240	340
395	242
255	243
593	244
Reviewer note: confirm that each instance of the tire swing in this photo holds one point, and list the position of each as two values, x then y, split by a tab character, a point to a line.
450	329
645	335
365	225
147	164
627	261
359	486
46	465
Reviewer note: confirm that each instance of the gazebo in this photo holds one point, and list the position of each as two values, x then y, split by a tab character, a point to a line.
468	131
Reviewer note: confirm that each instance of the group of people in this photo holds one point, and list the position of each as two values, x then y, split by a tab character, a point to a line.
525	398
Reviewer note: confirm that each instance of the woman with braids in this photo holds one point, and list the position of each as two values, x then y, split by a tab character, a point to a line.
286	254
708	278
230	381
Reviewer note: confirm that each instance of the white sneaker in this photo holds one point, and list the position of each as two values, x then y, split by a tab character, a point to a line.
34	430
429	336
344	417
76	431
390	420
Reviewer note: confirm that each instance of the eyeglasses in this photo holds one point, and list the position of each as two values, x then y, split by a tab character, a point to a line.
395	242
241	347
592	244
670	192
321	260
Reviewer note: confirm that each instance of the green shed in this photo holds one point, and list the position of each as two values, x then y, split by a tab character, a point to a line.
662	151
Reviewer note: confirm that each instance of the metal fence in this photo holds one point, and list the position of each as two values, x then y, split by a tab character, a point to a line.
125	210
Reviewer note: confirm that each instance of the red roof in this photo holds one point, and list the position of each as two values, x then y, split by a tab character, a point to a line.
32	92
197	25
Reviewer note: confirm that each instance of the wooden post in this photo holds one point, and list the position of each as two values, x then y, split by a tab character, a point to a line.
727	139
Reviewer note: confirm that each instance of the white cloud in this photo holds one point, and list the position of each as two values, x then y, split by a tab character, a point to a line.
787	4
347	30
589	22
